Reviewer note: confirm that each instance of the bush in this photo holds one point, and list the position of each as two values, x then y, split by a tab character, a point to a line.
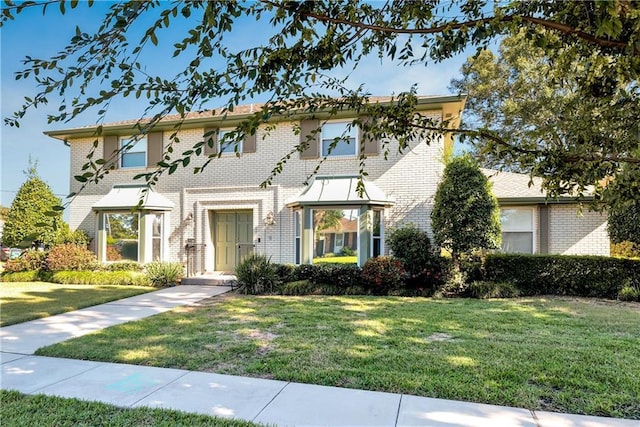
413	247
76	237
455	285
384	274
256	275
122	266
162	274
339	275
306	287
286	272
586	276
121	278
70	257
347	251
25	276
625	249
30	260
483	290
629	293
298	287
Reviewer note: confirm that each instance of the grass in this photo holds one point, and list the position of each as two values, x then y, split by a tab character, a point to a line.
567	355
337	260
17	409
23	301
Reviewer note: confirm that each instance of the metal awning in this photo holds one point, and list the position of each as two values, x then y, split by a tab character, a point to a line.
128	196
342	191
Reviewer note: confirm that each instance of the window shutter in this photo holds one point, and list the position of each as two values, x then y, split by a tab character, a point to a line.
249	143
154	149
210	141
110	147
306	129
370	147
544	229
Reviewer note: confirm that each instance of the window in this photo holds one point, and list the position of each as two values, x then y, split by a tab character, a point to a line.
228	146
297	226
136	155
156	238
517	230
122	236
332	229
377	236
346	146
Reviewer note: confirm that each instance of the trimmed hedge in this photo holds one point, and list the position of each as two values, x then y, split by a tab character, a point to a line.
585	276
306	287
25	276
338	275
122	278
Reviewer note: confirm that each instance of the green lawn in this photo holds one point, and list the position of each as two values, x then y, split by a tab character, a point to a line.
20	301
17	409
568	355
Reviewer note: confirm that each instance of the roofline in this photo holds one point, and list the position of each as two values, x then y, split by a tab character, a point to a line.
424	104
354	203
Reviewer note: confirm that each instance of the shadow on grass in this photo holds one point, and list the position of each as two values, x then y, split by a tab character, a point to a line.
56	299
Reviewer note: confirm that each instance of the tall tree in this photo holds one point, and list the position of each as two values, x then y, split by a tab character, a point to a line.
545	121
465	215
32	217
624	224
293	67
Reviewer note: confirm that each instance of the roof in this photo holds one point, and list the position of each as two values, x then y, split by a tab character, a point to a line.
126	197
240	112
340	191
346	226
519	188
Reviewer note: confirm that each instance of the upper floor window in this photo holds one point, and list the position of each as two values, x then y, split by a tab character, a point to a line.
517	230
136	155
228	145
347	143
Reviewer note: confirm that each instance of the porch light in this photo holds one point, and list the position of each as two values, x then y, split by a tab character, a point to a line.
270	219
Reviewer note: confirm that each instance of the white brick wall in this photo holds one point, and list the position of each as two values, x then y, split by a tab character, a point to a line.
233	183
574	234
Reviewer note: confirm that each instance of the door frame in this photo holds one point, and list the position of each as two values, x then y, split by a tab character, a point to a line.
212	231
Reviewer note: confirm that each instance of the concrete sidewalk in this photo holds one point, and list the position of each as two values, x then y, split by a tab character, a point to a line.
26	338
254	399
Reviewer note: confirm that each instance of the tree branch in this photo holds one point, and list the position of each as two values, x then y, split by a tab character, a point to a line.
478	134
557	26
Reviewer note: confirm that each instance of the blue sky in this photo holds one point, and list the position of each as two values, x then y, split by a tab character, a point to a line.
42	36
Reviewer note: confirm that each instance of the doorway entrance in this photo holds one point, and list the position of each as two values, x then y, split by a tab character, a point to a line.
232	238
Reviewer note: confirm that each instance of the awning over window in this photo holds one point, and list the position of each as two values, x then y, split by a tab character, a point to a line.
126	197
340	190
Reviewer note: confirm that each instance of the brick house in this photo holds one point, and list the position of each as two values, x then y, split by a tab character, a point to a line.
212	219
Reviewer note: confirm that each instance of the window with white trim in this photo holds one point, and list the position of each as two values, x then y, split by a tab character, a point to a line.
156	237
297	227
122	236
134	153
377	236
517	230
228	145
346	135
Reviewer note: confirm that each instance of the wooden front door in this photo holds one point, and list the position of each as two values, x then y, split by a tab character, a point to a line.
232	238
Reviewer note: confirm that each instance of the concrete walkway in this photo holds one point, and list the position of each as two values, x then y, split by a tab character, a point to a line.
260	400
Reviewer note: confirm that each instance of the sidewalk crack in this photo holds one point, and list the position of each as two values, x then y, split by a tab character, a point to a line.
399	406
269	402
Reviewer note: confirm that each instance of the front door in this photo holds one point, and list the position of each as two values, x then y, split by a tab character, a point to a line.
232	238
